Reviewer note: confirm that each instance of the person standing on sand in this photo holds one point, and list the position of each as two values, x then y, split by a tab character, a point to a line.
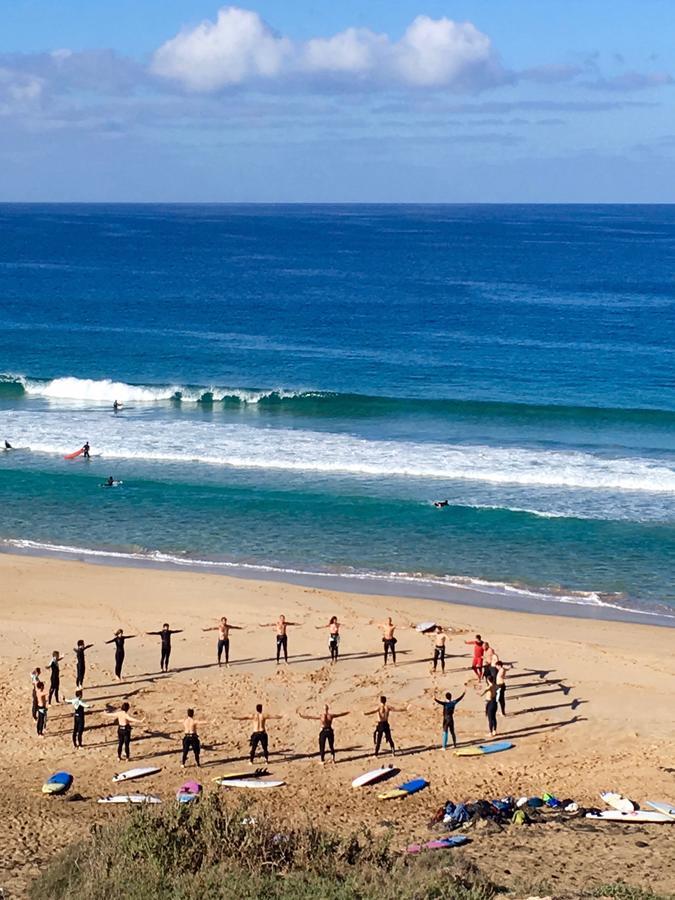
41	707
259	736
79	709
477	664
80	664
282	637
491	704
165	640
223	628
448	718
439	648
54	677
333	637
191	739
124	723
490	657
500	680
326	735
382	728
388	640
118	641
34	678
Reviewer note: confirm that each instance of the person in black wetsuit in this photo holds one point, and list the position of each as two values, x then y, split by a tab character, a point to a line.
448	718
326	735
165	636
80	665
118	641
8	446
85	450
79	709
54	677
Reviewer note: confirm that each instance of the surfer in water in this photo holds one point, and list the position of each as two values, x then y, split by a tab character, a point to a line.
118	641
326	735
80	665
259	737
382	728
124	722
8	446
85	450
333	637
79	709
282	637
191	739
439	504
165	638
109	482
116	406
223	628
448	718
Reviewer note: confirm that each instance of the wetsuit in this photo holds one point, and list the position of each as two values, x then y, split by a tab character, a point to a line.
85	451
34	703
439	656
389	647
191	742
80	666
79	709
491	709
54	681
119	654
282	644
334	646
382	730
260	738
123	740
41	718
224	647
448	720
165	655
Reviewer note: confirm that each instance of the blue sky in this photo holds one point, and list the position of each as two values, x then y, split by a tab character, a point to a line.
476	101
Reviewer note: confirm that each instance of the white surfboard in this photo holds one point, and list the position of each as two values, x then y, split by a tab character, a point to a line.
136	773
425	627
249	783
374	776
130	798
630	818
618	801
668	809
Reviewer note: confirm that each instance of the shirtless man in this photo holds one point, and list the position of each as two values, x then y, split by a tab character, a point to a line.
124	723
79	709
40	707
388	640
490	657
383	729
477	664
439	648
500	679
282	637
34	678
326	735
224	628
191	738
490	693
333	637
259	736
165	639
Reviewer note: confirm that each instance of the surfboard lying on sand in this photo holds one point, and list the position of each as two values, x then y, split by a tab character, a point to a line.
668	809
374	776
256	773
617	801
130	798
249	783
445	843
483	749
404	790
136	773
58	783
636	817
425	627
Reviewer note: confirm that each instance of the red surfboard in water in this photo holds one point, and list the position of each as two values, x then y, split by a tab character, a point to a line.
75	454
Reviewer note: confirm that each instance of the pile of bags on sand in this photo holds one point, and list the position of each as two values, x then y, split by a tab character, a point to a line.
507	811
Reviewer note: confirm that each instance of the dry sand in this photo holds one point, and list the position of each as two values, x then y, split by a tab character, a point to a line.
590	708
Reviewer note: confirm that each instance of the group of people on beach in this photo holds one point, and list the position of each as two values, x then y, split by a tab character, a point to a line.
490	673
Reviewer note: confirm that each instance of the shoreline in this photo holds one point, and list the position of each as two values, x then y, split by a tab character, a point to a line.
486	596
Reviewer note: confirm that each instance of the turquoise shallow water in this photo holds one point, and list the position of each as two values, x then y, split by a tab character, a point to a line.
300	383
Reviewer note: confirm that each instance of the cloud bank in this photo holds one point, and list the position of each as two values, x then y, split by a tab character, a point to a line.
239	48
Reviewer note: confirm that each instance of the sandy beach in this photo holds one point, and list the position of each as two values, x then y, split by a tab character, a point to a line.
589	708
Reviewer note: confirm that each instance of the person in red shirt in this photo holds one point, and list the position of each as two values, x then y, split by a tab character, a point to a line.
478	650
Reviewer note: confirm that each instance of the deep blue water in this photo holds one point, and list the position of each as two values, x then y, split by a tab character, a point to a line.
299	383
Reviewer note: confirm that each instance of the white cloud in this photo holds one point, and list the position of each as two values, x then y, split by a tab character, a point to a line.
18	91
239	47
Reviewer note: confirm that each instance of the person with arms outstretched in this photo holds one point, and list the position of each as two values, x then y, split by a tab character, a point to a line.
448	718
124	722
54	676
389	639
383	728
165	638
333	637
477	663
259	737
80	664
224	628
326	734
79	710
281	626
118	641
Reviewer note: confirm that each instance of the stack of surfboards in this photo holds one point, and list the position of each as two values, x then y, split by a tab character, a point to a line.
624	810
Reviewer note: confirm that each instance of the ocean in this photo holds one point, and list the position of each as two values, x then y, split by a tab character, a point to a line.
300	383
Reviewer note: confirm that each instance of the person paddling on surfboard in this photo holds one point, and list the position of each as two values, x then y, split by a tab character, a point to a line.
326	735
223	628
259	738
383	729
124	722
165	638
